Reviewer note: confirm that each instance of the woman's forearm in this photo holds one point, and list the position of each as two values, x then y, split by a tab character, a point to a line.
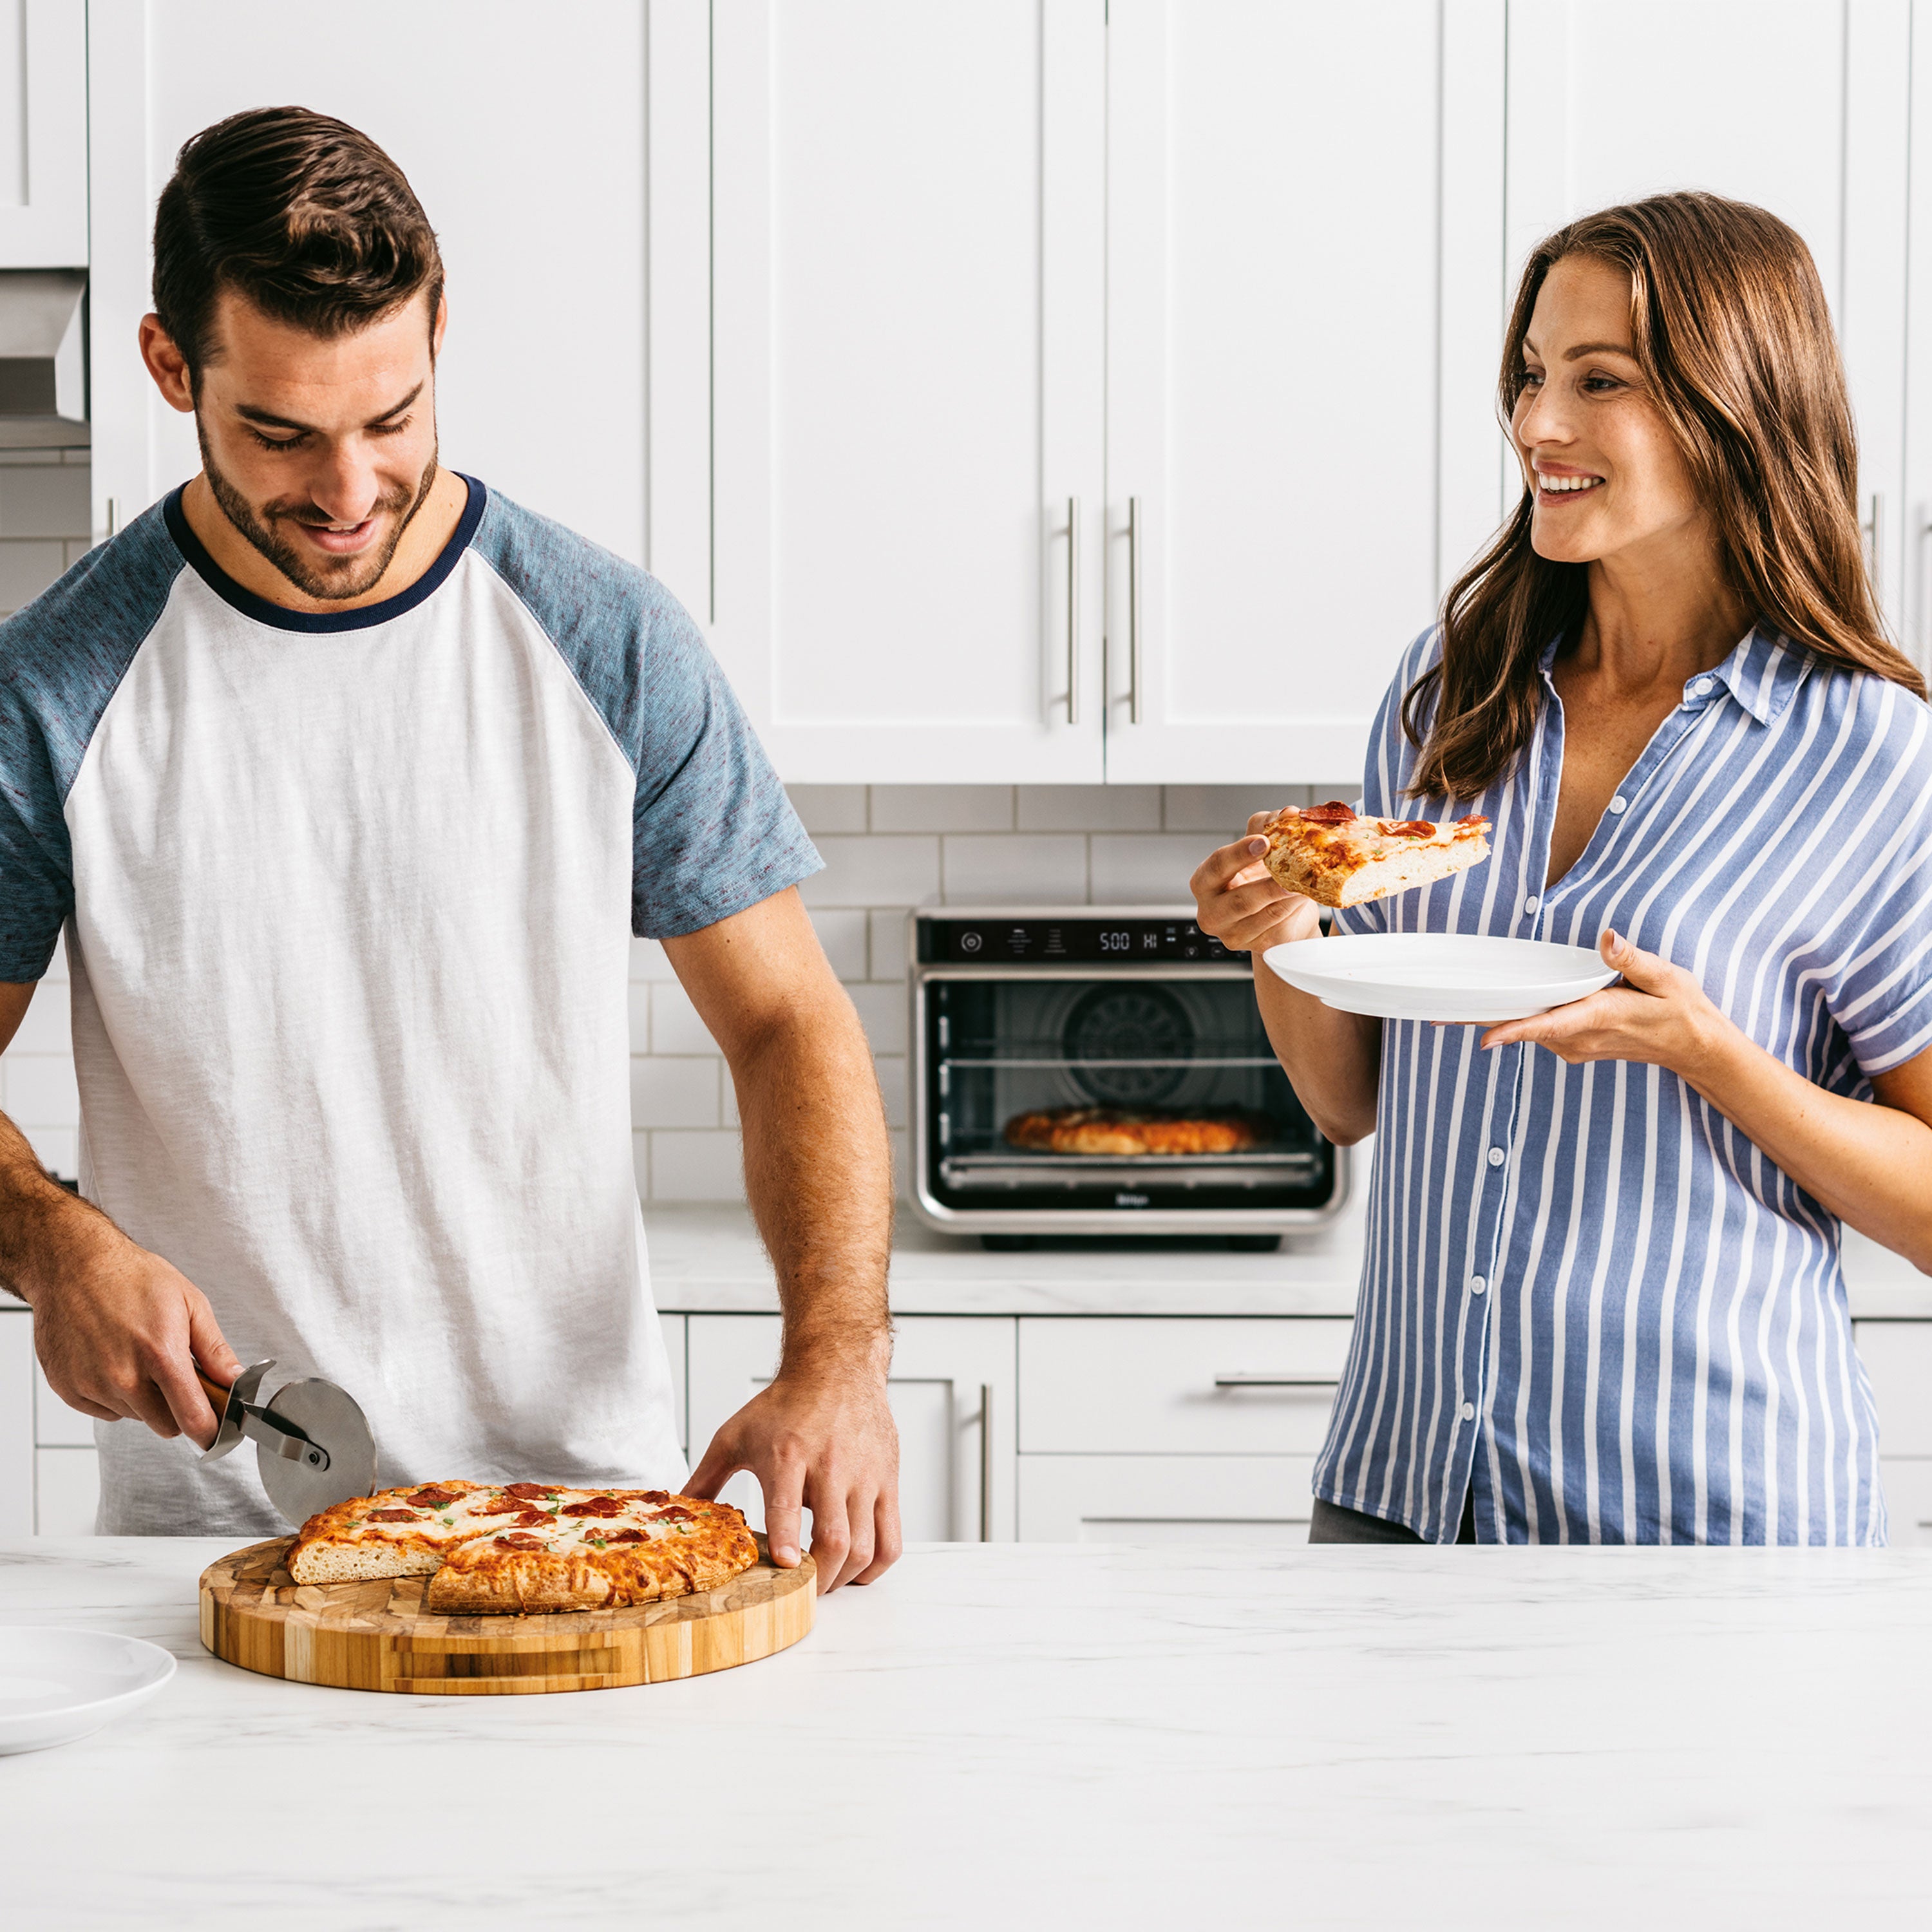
1869	1163
1332	1060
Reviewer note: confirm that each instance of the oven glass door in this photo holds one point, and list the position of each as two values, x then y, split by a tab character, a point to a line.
1050	1092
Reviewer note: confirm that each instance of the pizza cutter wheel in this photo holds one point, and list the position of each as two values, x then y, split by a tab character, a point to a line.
316	1449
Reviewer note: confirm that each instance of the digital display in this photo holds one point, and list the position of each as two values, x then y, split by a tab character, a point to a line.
1112	941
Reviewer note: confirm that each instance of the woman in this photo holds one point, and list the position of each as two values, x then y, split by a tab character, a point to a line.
1602	1298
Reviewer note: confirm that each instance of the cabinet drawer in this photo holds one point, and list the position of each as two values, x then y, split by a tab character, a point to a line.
1194	1386
56	1425
1897	1356
1907	1483
1168	1499
67	1491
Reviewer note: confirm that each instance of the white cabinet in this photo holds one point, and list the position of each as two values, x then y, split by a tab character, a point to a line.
1277	198
907	352
526	150
1801	107
16	1421
1166	1499
952	1392
49	1473
42	134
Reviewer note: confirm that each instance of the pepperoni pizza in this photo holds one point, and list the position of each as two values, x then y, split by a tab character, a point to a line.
512	1547
1328	853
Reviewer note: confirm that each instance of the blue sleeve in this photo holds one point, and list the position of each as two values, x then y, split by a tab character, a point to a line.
712	829
1391	759
36	865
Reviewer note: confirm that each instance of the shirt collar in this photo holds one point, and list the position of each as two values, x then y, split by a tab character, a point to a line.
1762	672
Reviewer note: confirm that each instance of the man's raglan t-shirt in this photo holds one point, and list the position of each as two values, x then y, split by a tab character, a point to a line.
348	901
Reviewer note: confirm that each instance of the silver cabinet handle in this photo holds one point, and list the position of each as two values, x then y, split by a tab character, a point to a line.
1133	609
1241	1378
1073	610
1872	530
985	1462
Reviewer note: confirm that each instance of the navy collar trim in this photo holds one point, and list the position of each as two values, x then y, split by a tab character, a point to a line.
366	616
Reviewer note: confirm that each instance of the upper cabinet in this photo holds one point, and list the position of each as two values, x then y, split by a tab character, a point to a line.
42	134
906	377
1276	277
1803	106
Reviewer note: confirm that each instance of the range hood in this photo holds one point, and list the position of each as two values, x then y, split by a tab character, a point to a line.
43	357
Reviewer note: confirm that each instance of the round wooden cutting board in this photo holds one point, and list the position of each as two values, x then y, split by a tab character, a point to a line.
378	1636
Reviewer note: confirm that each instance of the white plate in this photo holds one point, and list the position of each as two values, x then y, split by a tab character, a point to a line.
56	1685
1439	976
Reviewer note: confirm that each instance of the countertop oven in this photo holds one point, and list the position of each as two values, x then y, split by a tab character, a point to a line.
1097	1015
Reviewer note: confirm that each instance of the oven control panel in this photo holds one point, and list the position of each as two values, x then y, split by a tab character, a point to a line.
1111	941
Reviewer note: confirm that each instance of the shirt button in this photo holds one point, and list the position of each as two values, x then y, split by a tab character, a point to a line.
1619	806
1468	1412
1700	687
1530	904
1496	1157
1477	1284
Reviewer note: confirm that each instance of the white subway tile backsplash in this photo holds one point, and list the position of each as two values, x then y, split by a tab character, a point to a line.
1095	808
834	808
675	1026
1223	812
942	807
672	1093
649	960
897	869
44	502
891	1069
695	1166
39	1089
1146	869
842	934
57	1149
44	1027
640	1016
1030	867
890	941
882	1012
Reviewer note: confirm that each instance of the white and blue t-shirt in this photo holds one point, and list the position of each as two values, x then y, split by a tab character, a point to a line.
348	900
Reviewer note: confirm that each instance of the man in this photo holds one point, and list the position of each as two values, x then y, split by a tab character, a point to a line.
350	782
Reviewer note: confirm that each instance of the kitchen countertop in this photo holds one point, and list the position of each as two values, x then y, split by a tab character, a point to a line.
1040	1734
709	1260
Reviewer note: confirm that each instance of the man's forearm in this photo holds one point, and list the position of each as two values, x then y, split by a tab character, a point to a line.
818	1173
40	1222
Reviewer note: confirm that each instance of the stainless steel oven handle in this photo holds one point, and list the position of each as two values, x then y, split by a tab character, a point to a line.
1133	609
1073	610
1242	1379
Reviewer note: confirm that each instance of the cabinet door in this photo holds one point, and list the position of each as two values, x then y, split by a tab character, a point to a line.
526	150
1612	99
1275	276
42	134
16	1422
907	378
955	1461
1169	1499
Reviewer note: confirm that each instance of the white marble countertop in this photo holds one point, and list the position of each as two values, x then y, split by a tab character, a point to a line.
709	1260
1049	1735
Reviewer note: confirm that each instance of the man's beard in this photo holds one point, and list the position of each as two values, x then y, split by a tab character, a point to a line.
356	575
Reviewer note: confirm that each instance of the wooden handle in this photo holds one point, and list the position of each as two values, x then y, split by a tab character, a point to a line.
217	1396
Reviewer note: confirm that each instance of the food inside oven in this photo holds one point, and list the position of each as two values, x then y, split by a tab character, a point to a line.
1147	1092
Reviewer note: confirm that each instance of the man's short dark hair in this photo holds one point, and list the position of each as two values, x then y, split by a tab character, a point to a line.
302	214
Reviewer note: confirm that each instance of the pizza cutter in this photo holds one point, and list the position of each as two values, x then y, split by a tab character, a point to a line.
315	1446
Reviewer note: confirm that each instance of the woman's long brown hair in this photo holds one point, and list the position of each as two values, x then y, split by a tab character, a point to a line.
1729	325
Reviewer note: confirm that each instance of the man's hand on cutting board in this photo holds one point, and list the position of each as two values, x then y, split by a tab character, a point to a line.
822	1439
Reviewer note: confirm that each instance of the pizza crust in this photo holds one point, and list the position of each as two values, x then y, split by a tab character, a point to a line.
1337	859
489	1551
1121	1130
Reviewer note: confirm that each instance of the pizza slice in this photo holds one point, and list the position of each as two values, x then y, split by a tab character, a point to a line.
508	1548
1329	854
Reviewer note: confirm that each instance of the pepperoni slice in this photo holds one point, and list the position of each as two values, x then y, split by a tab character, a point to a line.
516	1539
531	1518
596	1506
1333	813
675	1514
657	1495
430	1497
505	1509
626	1536
530	1492
1476	819
391	1516
1409	828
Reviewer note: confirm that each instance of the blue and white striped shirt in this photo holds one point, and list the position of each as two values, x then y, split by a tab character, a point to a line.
1585	1290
